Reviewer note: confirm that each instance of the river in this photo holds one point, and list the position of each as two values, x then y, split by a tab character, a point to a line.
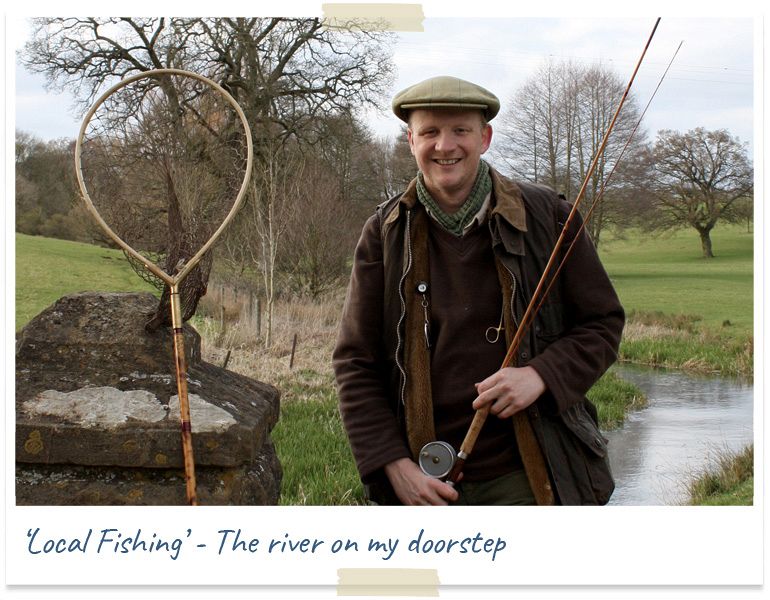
690	421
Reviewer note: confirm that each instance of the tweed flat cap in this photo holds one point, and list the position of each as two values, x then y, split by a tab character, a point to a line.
445	92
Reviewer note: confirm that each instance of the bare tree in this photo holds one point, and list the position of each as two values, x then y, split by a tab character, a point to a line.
322	236
285	73
599	94
396	167
289	70
346	150
533	134
554	127
699	177
254	241
316	189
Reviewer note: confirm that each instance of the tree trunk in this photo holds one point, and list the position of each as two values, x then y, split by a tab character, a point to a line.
705	242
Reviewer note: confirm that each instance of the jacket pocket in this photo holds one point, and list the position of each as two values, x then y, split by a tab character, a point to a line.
583	425
549	325
577	454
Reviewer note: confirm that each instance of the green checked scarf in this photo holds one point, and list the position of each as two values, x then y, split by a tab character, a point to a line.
456	222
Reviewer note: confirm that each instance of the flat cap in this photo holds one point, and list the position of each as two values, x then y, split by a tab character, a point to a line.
445	92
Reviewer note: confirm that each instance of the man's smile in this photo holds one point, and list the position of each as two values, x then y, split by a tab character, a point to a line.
447	161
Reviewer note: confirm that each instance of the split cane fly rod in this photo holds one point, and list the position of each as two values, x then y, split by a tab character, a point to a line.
440	456
163	161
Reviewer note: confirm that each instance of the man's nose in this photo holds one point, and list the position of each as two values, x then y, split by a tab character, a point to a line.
445	141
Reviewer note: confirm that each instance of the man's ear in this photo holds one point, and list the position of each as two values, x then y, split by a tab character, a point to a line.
410	140
486	138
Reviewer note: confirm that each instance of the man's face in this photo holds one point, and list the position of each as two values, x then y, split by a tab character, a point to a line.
447	145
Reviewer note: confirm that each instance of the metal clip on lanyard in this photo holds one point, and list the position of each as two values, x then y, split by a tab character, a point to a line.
422	288
493	333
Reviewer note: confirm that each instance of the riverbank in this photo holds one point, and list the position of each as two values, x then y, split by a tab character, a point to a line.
682	342
731	483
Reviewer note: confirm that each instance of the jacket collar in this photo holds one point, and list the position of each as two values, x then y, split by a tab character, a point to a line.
407	201
409	197
508	201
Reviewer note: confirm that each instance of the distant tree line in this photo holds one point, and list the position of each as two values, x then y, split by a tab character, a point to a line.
46	190
319	170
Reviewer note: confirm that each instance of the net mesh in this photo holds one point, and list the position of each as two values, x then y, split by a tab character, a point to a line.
163	159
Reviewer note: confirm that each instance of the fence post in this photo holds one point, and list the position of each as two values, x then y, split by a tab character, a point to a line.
258	315
293	348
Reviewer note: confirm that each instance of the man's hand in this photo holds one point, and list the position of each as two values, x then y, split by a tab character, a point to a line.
415	488
509	390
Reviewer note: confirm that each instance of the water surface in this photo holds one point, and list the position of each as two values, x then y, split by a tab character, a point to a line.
689	422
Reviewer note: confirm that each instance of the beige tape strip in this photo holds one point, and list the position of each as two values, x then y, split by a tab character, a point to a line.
374	17
387	582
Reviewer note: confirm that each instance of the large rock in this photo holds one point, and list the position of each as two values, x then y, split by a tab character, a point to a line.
97	412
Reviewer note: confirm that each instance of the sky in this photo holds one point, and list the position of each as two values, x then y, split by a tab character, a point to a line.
711	83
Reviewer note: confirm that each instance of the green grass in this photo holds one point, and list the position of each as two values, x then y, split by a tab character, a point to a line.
314	451
317	463
47	269
676	300
742	494
686	311
668	274
614	398
730	484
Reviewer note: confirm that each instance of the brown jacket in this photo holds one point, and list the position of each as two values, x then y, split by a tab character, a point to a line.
573	341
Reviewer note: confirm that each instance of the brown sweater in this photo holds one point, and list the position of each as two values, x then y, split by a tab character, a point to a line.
465	299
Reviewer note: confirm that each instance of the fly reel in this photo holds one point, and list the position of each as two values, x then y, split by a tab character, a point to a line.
437	459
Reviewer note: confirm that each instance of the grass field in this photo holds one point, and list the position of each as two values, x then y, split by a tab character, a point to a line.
686	311
662	274
47	269
667	274
677	301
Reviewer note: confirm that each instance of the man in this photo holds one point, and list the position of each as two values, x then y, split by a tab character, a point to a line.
441	277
